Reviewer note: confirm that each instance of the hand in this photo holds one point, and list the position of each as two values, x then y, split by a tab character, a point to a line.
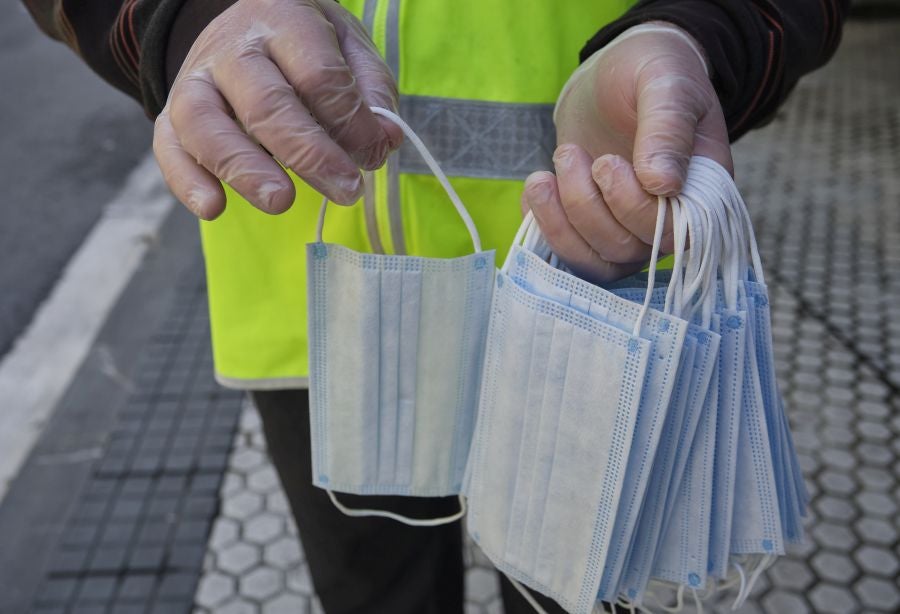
293	79
628	121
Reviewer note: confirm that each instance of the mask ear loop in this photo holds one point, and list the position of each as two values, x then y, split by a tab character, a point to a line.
413	522
527	596
654	260
676	284
435	169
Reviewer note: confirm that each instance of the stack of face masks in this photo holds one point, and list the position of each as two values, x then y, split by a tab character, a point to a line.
613	444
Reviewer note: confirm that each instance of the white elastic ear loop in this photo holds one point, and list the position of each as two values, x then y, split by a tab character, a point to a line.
438	173
528	596
524	228
435	169
676	282
413	522
654	259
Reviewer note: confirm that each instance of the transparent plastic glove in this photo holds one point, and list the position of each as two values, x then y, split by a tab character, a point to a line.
293	79
628	121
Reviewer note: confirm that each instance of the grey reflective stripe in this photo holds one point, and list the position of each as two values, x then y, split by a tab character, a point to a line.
392	37
369	15
392	57
371	216
270	383
475	138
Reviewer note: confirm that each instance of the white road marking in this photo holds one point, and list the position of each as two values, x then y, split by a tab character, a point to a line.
44	359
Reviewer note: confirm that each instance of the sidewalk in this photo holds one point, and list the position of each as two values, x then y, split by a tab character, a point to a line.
181	512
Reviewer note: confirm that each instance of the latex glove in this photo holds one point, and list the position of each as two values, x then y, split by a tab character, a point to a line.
290	78
628	121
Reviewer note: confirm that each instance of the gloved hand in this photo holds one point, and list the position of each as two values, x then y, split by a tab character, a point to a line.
290	78
628	121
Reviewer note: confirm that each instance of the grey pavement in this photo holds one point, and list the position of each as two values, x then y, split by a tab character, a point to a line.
180	510
68	141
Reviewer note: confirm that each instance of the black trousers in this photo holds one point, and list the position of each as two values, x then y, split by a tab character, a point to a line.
370	565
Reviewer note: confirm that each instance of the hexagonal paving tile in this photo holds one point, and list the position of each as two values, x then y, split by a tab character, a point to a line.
877	593
831	599
247	459
481	585
283	553
837	483
792	575
237	558
836	509
242	505
261	583
835	567
277	502
286	603
263	479
877	561
299	581
784	601
876	503
263	528
213	589
238	606
224	532
876	531
834	536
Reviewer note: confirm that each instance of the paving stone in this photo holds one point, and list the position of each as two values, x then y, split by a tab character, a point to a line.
238	558
57	591
247	459
299	581
263	528
791	575
837	483
839	459
874	454
832	599
261	583
783	601
877	504
286	603
237	606
877	561
263	479
242	505
836	509
876	531
277	502
178	585
875	478
481	585
137	587
284	553
835	567
834	536
214	589
224	532
97	588
878	593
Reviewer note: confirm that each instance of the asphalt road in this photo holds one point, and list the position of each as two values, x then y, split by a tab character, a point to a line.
68	141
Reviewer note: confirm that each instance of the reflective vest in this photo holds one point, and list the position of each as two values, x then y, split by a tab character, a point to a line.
478	80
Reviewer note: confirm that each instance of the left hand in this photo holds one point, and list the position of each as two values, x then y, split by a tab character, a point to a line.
628	122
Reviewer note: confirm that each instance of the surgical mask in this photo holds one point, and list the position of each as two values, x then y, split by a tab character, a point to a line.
396	346
556	422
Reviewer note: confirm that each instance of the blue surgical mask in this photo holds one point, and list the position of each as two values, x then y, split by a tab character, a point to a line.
396	347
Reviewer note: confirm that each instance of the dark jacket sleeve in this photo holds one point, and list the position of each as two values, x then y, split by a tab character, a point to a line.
127	41
757	49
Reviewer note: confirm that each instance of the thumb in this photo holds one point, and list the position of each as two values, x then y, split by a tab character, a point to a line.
669	108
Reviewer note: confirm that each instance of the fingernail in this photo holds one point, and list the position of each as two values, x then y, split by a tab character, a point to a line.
603	170
562	157
269	192
349	186
195	201
539	192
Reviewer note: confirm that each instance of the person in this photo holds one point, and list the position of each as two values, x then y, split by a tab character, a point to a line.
261	105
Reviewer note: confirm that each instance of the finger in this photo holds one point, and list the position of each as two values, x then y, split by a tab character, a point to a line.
669	107
633	207
542	197
269	109
206	132
306	49
711	139
588	212
193	185
376	83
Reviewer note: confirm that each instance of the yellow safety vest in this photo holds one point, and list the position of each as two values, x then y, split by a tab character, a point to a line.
478	80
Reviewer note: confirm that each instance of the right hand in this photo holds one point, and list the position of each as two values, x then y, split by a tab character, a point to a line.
296	77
